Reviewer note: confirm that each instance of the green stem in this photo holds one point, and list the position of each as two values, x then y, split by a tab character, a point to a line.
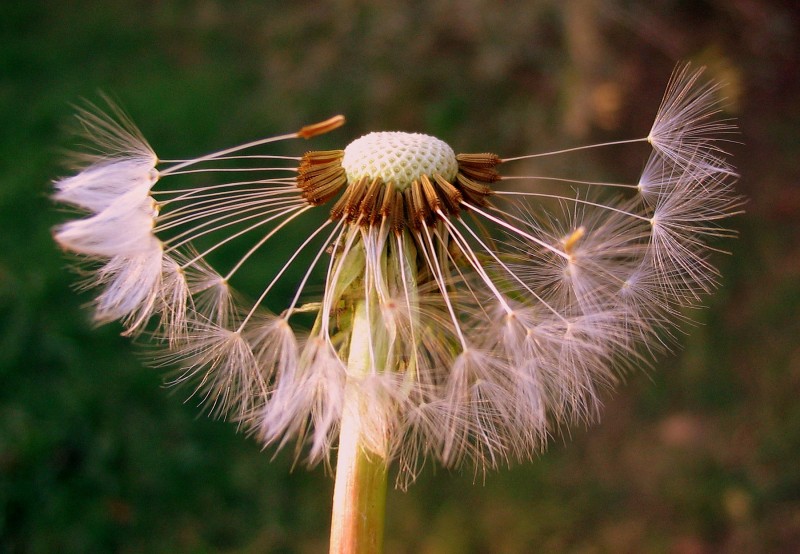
359	497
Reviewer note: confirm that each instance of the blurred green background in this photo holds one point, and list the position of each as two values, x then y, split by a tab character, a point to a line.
698	455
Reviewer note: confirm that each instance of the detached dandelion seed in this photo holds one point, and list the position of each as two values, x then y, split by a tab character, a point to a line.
459	321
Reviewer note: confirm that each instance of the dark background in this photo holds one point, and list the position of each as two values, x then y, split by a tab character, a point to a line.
699	454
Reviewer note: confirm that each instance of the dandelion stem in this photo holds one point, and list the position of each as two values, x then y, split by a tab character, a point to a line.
359	497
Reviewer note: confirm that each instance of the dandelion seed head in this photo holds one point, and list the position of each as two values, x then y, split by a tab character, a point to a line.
399	158
456	320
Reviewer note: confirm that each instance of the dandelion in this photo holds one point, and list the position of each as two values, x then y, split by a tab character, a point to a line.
459	320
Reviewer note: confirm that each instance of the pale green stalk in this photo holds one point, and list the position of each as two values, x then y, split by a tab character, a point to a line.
359	497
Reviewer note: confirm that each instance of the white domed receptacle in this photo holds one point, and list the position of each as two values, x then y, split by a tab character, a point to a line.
398	157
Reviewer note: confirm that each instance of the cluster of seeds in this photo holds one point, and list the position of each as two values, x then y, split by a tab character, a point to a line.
458	319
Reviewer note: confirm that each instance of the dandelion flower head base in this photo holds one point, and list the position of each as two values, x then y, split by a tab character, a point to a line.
486	319
405	178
